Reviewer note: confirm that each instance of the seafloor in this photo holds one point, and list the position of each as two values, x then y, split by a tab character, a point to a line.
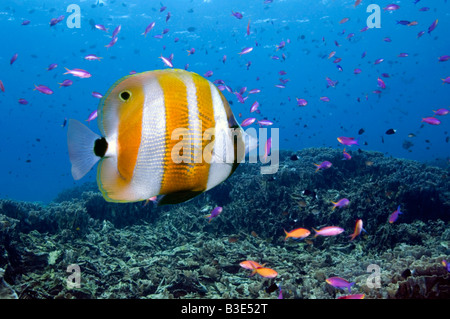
137	251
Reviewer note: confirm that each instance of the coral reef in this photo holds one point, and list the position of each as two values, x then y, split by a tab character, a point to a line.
141	251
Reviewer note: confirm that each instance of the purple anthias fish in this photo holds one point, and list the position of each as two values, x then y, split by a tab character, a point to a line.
281	45
23	101
214	213
254	107
66	83
116	31
378	61
324	98
446	264
393	217
92	57
55	21
238	15
26	22
347	140
328	231
341	203
52	66
254	91
43	89
391	7
301	102
14	58
444	58
337	60
245	51
446	80
267	148
280	294
248	121
433	26
166	61
92	116
441	111
431	120
403	55
112	42
97	95
323	165
346	155
330	82
208	74
381	83
265	122
340	283
148	28
79	73
100	27
239	97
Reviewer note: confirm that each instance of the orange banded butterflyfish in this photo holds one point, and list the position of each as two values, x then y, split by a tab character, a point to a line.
167	133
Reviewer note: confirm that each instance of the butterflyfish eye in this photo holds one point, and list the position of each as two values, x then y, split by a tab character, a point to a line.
100	147
125	95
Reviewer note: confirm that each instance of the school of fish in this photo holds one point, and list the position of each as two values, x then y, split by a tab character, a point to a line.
139	113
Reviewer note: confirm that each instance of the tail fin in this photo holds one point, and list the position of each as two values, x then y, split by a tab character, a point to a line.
251	142
80	141
350	287
316	232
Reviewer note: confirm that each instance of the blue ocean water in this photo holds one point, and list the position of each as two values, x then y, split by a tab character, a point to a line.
33	150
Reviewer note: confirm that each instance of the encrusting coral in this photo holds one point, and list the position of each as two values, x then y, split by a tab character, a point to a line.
138	250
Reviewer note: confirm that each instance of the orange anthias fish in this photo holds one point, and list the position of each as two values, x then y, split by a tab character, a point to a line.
258	269
297	234
250	264
358	229
265	272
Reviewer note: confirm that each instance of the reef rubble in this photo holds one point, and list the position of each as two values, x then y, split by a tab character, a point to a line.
142	251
